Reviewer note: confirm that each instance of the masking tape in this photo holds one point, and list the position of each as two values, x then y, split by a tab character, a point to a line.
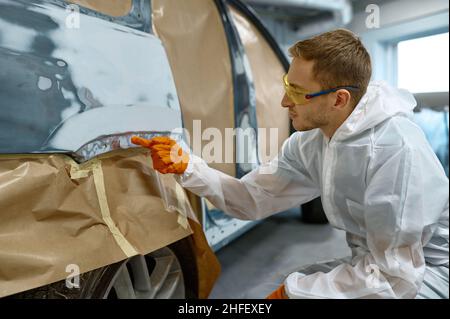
209	205
95	166
183	204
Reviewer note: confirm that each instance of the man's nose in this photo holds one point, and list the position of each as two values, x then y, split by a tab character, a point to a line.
286	101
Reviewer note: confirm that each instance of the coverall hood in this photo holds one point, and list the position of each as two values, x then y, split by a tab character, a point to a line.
380	102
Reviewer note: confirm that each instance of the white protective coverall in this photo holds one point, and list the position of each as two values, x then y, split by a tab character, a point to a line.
380	182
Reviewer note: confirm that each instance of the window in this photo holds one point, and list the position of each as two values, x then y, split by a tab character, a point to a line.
423	64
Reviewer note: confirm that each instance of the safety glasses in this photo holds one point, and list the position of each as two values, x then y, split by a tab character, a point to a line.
300	97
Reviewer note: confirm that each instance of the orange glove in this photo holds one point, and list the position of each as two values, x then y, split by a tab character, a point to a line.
167	155
278	294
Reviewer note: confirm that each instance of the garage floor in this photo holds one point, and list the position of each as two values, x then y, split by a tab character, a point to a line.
274	248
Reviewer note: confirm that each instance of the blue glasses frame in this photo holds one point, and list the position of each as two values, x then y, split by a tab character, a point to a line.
311	95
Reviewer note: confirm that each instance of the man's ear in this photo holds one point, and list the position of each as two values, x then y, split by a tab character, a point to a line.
343	99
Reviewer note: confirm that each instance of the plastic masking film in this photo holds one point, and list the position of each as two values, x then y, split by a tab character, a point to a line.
55	212
175	199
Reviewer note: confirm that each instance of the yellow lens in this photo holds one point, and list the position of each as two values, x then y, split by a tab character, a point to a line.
297	98
293	94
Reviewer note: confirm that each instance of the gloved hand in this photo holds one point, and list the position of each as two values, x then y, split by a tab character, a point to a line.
280	293
167	155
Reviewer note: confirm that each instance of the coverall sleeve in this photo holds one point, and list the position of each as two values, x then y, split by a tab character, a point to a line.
395	212
281	184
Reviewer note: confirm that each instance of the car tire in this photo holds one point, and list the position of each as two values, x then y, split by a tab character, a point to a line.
313	213
167	273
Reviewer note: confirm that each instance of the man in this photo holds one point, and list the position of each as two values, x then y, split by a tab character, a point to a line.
358	149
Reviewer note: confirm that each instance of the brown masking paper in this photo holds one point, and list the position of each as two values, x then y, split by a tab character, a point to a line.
267	74
194	38
52	215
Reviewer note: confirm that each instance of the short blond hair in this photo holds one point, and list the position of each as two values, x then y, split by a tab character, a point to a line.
340	59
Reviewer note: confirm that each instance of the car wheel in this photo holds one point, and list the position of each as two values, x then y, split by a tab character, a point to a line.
158	275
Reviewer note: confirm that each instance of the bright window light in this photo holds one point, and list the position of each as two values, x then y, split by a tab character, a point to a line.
423	64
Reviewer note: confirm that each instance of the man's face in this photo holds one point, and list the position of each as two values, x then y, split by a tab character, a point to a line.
314	114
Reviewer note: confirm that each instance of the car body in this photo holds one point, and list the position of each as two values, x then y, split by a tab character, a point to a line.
71	94
78	79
